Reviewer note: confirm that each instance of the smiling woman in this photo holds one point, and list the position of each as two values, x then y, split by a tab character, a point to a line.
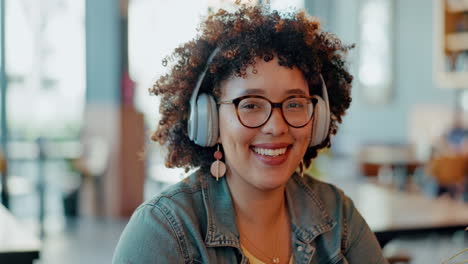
253	97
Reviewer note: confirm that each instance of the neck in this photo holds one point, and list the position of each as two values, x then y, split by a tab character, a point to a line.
258	213
256	207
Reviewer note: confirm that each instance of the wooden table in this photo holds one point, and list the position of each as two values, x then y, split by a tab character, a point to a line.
17	245
391	213
399	159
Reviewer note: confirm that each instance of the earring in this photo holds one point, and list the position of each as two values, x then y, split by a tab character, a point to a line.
301	169
218	168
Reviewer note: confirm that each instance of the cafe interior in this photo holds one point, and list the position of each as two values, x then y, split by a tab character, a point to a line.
76	119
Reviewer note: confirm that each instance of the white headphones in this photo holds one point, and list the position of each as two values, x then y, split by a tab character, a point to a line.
203	121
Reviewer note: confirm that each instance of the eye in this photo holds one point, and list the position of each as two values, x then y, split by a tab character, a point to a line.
250	106
295	104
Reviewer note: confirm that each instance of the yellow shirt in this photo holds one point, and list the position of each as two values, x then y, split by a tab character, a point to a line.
254	260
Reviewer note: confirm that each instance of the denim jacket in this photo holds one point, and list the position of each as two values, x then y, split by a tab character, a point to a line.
193	221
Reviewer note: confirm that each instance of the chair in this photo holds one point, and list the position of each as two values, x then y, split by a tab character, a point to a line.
449	170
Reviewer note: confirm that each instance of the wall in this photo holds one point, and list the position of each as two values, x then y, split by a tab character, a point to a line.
102	112
414	84
103	52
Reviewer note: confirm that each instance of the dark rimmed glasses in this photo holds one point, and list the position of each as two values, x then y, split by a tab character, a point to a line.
254	110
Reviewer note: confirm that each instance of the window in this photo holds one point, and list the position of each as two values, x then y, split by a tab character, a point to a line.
45	64
376	50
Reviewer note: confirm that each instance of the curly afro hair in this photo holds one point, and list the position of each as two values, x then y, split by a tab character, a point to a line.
243	36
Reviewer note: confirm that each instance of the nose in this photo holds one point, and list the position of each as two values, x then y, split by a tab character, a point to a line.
276	125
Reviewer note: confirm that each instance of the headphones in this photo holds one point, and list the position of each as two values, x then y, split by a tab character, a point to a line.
203	127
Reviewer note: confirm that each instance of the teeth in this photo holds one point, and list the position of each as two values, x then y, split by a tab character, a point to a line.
270	152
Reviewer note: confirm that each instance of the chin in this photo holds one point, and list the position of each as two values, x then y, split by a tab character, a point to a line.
268	180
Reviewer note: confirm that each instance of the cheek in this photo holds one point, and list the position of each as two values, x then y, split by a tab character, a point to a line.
232	132
226	123
229	128
304	134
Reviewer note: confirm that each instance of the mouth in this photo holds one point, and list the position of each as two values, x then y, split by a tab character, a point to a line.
271	154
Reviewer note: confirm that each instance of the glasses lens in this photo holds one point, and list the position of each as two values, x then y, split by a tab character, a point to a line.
253	112
298	111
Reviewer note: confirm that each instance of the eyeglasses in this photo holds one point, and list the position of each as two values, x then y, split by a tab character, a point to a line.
254	111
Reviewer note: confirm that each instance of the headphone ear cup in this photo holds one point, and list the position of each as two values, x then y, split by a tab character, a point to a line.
321	122
213	122
207	121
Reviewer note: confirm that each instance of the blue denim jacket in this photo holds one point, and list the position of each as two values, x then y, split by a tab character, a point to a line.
194	222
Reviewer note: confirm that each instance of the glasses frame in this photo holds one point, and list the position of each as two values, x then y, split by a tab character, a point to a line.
279	105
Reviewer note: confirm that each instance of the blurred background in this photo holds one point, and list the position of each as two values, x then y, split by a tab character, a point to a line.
76	117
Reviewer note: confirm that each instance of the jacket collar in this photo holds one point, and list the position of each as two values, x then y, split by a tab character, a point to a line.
308	215
221	218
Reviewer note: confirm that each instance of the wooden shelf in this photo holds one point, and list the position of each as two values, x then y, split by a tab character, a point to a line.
456	42
457	10
450	41
457	6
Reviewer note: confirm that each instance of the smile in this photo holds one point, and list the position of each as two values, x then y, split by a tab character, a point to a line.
270	152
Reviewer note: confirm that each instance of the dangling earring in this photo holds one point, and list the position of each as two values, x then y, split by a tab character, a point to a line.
218	168
301	169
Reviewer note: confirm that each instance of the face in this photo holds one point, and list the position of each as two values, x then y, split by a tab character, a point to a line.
282	147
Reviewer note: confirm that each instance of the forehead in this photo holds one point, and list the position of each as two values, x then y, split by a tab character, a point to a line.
268	79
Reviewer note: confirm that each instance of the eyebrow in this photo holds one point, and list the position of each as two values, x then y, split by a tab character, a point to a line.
261	91
296	91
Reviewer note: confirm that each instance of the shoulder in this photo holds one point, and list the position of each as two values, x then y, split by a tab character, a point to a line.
175	216
178	198
184	189
181	204
182	200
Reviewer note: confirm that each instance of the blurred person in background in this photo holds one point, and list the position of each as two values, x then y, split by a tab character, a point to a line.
249	102
449	162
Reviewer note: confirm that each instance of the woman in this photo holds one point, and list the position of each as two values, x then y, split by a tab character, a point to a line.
254	97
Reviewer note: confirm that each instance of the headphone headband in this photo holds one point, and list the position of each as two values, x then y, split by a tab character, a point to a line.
202	78
325	93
